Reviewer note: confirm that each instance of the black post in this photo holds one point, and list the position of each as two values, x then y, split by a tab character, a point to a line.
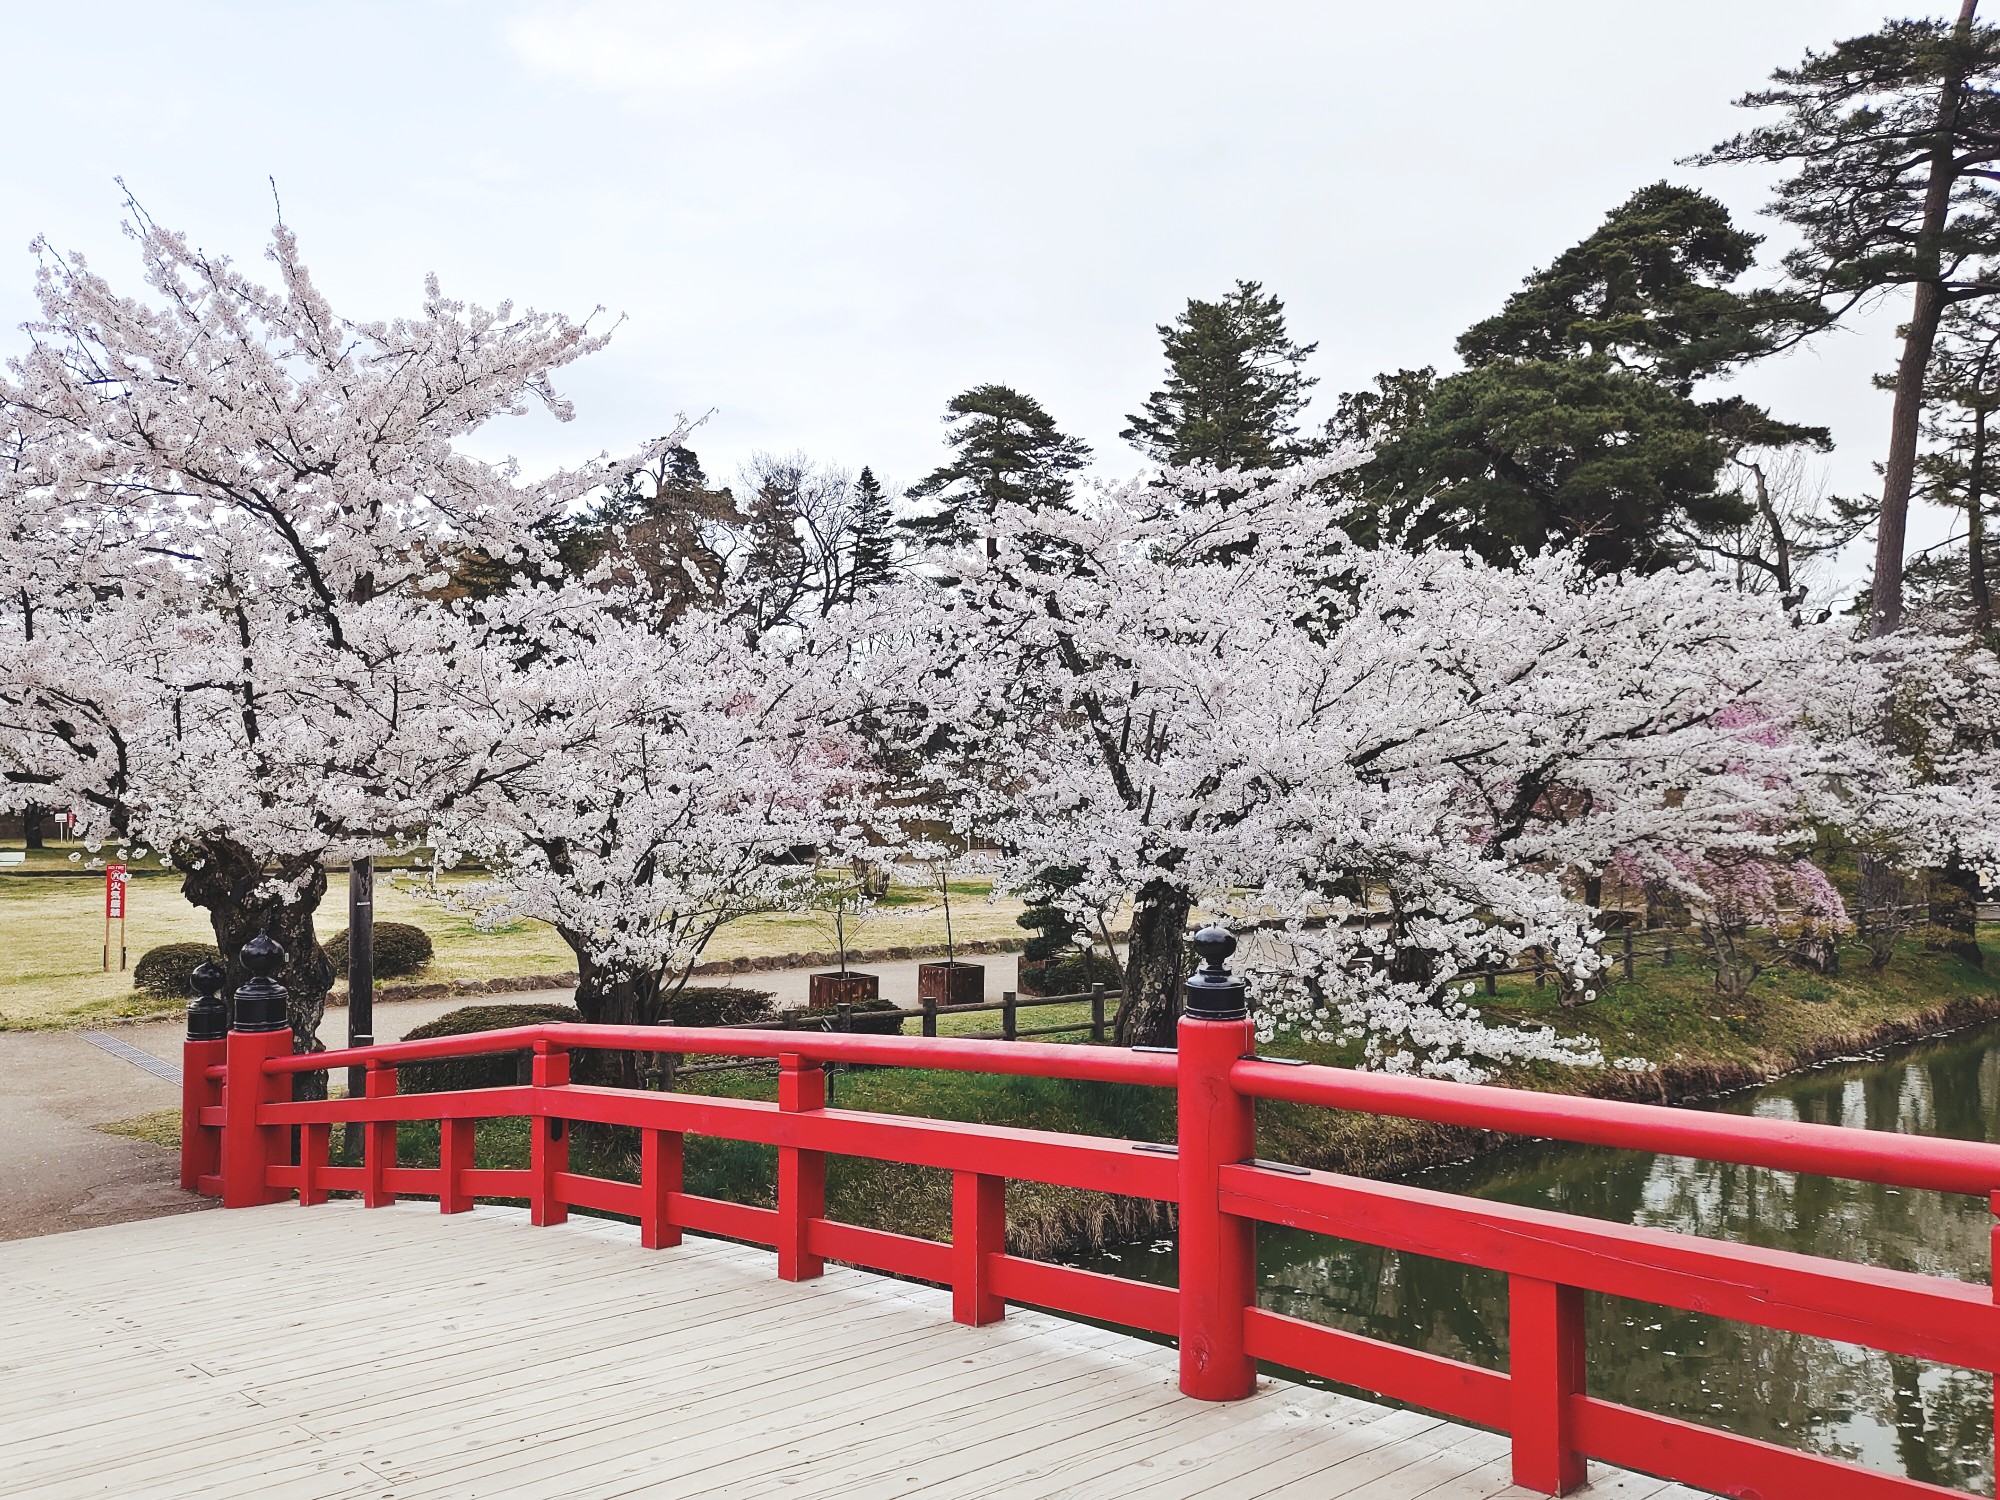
1097	1011
208	1015
1492	982
360	965
1628	952
1007	1018
930	1015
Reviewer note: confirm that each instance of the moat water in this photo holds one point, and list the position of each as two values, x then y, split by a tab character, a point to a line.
1929	1422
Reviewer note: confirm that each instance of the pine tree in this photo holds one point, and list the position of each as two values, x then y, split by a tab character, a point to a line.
1893	139
1008	451
1234	388
1575	416
1961	470
873	546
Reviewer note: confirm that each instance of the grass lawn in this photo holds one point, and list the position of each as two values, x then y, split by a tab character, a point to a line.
52	936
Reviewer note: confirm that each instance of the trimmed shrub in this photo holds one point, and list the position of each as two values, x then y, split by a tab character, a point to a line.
864	1015
717	1005
399	949
168	969
492	1070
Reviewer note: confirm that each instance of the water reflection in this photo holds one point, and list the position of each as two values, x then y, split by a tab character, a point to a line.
1930	1422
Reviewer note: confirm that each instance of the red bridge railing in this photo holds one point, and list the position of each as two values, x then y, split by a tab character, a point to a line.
239	1123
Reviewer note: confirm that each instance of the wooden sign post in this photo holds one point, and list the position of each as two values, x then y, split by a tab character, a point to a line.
115	880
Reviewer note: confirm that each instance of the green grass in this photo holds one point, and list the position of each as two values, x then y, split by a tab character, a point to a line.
52	936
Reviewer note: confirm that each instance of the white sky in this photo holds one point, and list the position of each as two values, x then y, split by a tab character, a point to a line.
822	220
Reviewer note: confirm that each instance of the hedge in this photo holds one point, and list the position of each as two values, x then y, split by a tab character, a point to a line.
399	949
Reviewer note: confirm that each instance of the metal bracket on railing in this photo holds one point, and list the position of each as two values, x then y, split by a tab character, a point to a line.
1170	1051
555	1127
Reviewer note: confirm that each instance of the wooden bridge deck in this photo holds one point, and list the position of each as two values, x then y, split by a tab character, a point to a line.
400	1353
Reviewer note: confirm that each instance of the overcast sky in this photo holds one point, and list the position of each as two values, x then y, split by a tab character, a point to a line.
819	221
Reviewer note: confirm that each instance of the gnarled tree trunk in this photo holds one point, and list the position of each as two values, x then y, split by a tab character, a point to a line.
612	997
1156	966
222	878
1954	923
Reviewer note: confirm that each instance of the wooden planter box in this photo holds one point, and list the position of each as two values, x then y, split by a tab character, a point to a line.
825	991
951	983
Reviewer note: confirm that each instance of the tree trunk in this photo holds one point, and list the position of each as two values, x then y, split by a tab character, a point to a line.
33	816
1155	967
222	878
1899	470
612	997
1954	923
1975	531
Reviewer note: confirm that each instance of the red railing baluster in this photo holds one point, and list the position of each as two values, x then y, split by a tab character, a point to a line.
659	1180
548	1150
379	1147
978	1232
801	1174
314	1141
1545	1370
201	1145
1993	1282
455	1141
250	1150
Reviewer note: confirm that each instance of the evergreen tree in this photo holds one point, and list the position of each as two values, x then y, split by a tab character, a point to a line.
1893	140
1576	415
1961	469
872	550
1009	450
1234	388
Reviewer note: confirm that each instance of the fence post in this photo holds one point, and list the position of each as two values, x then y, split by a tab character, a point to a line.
1009	1020
378	1140
548	1149
978	1232
261	1031
1492	983
1218	1251
1545	1370
660	1159
207	1044
455	1138
1628	952
1097	1011
929	1003
801	1173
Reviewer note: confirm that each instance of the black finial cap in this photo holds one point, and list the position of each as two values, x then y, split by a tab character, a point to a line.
208	1017
260	1001
1213	993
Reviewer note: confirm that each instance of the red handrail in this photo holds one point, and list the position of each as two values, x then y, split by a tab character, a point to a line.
239	1124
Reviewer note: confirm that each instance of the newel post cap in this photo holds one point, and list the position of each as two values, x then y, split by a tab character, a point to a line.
1213	993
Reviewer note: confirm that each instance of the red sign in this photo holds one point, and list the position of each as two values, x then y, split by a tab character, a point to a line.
115	877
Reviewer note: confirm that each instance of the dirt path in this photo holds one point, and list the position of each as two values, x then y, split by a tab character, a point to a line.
60	1171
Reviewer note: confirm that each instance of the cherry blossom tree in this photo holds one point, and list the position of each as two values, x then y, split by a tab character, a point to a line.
234	516
1400	759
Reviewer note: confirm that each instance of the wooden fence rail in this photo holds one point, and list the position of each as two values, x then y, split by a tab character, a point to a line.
247	1141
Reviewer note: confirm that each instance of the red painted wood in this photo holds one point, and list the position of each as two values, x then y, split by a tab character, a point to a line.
420	1181
1218	1249
978	1237
455	1142
1952	1322
660	1157
898	1254
1426	1380
314	1142
1545	1369
1914	1161
201	1139
498	1182
215	1117
1725	1464
735	1221
466	1104
801	1173
1090	1294
250	1148
605	1194
378	1142
548	1140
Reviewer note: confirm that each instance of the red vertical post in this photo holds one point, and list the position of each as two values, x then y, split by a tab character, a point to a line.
380	1141
801	1174
1217	1128
659	1180
207	1046
455	1139
259	1032
1993	1277
548	1149
313	1143
978	1232
1545	1369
